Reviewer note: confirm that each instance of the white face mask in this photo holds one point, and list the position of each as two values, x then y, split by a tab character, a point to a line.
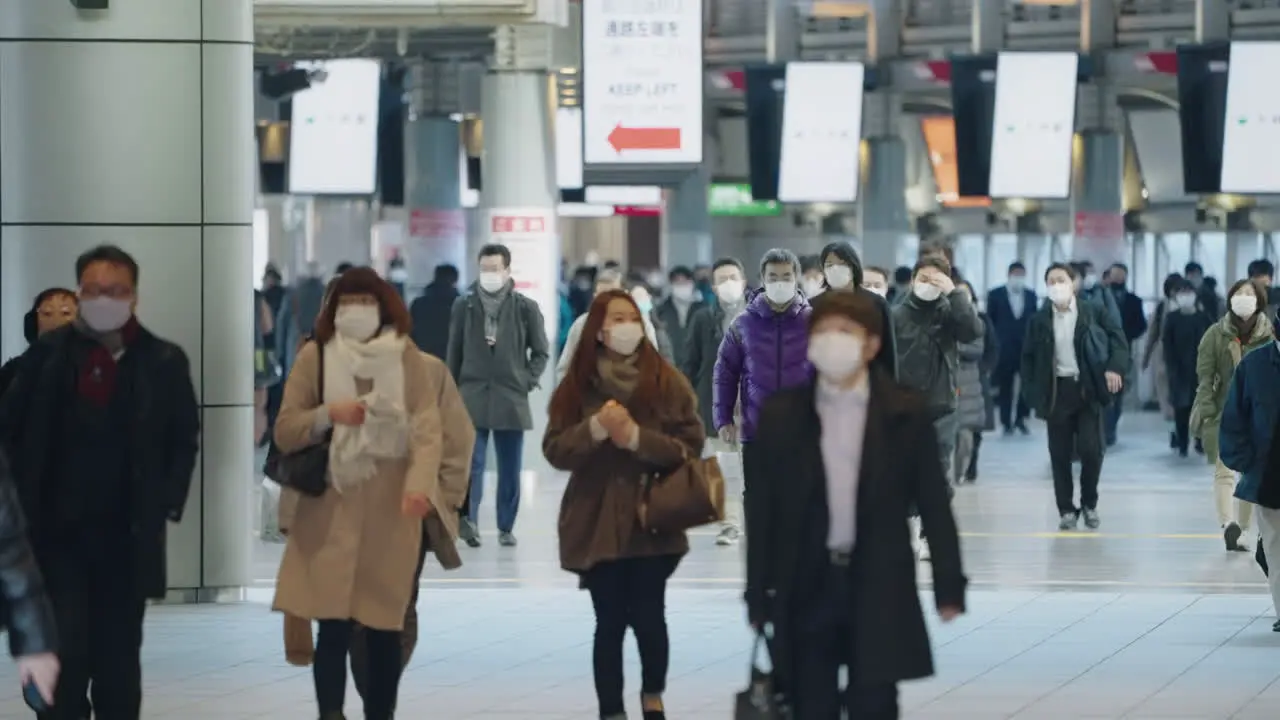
356	322
839	276
492	281
1061	293
683	293
813	287
836	355
1185	300
1017	283
624	338
926	291
780	293
1244	306
881	291
730	291
105	314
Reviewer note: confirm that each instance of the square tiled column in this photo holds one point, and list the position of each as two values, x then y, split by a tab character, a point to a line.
134	126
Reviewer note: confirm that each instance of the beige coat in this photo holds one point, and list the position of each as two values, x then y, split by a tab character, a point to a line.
353	555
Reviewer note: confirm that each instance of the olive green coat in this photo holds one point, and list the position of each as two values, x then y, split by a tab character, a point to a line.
1216	359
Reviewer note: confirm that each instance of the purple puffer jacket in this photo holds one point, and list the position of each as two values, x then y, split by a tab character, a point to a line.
763	352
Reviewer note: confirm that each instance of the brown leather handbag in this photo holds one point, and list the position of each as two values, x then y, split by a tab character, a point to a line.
690	496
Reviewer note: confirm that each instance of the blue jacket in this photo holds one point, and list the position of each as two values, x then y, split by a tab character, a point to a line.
1249	420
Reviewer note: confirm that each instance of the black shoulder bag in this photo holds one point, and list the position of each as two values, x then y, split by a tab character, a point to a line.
306	470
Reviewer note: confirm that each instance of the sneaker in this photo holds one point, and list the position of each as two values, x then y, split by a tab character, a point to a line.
728	536
469	533
1069	521
1231	536
1091	519
506	539
922	550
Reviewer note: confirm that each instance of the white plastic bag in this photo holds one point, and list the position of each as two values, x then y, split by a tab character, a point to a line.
269	509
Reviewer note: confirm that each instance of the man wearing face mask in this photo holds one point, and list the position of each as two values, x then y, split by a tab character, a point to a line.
102	427
707	328
763	352
827	554
1072	364
1089	288
673	313
498	350
1183	330
1010	308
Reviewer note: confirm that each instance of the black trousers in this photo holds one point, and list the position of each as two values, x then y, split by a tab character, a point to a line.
1075	426
329	670
630	593
1004	379
1182	429
408	636
823	644
90	578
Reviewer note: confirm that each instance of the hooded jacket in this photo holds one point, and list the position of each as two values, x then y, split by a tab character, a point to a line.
763	352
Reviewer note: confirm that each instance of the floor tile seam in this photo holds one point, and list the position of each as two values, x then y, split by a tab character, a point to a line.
1138	705
1024	651
995	618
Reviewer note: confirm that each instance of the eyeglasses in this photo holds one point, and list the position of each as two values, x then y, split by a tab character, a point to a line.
118	292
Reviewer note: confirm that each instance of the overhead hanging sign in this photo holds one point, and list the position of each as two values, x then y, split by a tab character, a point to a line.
734	200
642	82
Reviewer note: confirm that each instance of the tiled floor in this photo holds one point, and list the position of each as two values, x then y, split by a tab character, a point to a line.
1147	619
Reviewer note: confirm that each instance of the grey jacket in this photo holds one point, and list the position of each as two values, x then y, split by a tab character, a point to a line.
928	336
495	382
971	400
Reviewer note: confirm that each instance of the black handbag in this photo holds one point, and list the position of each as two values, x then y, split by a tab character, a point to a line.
305	470
760	701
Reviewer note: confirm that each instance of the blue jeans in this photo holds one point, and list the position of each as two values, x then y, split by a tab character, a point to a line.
508	445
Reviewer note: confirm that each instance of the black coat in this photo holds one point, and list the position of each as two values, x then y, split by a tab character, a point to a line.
702	345
163	430
1180	342
24	607
787	519
667	318
1011	331
431	314
1099	345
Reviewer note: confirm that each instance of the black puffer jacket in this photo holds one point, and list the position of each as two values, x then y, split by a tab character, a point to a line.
26	609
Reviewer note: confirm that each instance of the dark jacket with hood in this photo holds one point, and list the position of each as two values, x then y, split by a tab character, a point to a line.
763	352
431	314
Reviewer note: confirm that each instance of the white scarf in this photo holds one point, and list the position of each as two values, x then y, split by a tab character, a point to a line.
355	449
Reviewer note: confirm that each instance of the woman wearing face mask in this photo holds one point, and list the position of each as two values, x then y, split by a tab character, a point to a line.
1244	327
1153	353
842	270
828	550
51	309
1183	329
352	551
622	414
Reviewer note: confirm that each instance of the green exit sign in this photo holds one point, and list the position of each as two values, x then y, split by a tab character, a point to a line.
734	200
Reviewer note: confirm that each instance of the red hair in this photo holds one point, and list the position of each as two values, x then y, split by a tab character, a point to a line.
656	374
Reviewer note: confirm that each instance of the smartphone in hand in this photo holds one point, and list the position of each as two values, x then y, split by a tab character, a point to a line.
35	701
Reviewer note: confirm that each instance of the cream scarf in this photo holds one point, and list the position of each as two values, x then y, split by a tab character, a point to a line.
355	450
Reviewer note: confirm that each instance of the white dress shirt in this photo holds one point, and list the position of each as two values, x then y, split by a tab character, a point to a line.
843	415
1065	363
1017	301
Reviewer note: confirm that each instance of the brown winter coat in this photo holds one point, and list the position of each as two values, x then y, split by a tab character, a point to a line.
353	555
598	513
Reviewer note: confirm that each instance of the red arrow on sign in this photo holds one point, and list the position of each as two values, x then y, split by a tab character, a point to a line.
624	138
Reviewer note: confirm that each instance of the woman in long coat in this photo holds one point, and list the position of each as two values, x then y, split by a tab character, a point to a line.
352	552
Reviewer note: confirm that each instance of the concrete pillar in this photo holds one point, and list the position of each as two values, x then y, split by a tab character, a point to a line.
518	206
1097	198
437	225
1097	25
686	238
1213	20
988	26
782	32
882	204
135	127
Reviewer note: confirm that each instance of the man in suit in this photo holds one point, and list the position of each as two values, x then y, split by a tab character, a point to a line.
829	547
1009	308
